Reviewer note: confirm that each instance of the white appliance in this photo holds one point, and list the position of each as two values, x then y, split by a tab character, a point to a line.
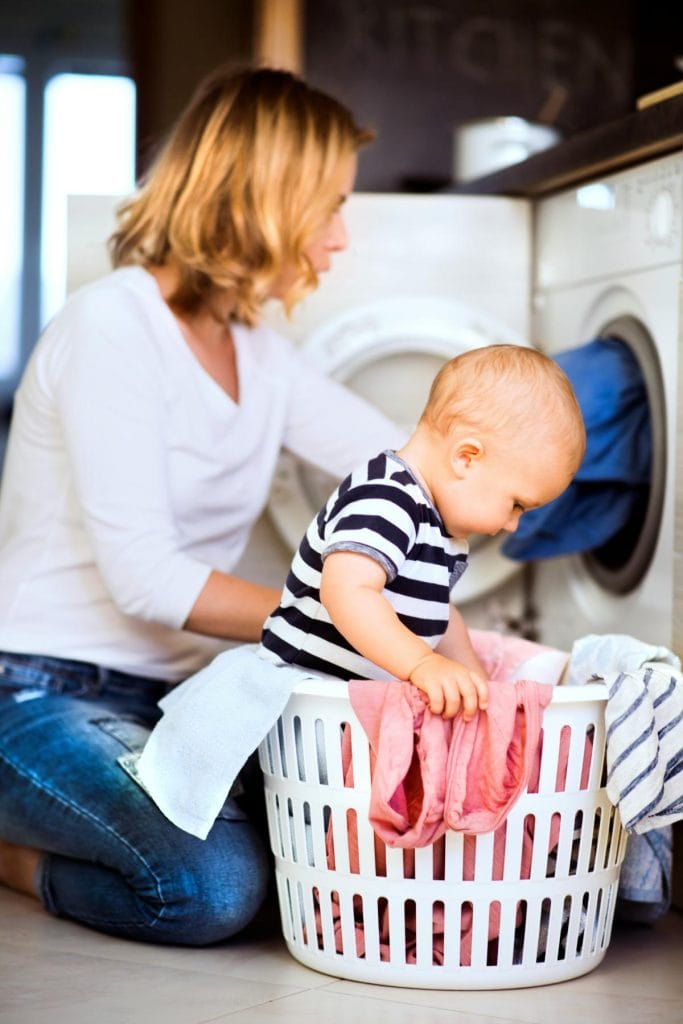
608	261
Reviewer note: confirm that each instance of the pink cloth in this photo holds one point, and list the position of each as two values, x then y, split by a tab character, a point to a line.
430	775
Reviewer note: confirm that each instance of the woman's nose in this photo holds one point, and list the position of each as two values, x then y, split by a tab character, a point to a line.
338	238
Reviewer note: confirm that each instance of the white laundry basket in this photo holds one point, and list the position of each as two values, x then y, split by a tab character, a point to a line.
544	884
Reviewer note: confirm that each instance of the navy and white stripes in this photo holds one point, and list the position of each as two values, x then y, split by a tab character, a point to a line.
644	720
380	510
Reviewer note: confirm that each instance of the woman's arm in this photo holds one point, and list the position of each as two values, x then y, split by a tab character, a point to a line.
351	591
231	607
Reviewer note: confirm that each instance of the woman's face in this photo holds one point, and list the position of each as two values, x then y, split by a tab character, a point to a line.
331	238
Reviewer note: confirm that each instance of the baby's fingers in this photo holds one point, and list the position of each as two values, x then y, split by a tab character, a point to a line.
475	694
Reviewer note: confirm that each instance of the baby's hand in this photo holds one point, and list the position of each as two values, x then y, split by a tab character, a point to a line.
450	686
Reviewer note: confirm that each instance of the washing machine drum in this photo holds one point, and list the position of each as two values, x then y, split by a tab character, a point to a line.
389	352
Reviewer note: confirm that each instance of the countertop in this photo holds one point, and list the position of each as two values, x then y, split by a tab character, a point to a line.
653	131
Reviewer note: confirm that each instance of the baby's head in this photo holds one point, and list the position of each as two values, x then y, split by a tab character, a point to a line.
504	424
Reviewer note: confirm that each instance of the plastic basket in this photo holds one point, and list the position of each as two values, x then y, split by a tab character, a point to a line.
544	884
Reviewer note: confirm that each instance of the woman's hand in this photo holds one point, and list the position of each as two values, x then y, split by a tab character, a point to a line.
450	686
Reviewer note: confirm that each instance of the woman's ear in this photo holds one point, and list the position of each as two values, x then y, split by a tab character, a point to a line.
464	452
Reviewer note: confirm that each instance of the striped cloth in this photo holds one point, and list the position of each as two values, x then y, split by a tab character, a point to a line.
644	722
380	510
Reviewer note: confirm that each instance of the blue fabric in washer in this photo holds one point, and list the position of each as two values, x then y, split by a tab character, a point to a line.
613	479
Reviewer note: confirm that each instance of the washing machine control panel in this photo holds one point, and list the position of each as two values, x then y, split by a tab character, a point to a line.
633	219
663	214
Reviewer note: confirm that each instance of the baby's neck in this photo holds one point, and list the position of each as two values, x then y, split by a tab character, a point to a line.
418	454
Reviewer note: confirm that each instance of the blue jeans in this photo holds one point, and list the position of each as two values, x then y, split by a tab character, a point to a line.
111	859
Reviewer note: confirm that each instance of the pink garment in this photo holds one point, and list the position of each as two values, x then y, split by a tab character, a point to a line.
430	775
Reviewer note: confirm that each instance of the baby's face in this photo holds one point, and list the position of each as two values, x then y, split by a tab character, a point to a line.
494	491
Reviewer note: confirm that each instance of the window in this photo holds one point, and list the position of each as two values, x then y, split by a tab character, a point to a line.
89	149
60	134
12	156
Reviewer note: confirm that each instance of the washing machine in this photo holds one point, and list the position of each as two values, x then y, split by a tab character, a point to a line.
425	277
608	263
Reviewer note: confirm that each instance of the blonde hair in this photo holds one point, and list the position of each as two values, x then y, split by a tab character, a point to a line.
507	391
250	174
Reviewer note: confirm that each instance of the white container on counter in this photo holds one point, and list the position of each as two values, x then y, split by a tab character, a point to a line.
487	145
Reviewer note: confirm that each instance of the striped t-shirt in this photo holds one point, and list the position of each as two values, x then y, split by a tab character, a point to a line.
380	510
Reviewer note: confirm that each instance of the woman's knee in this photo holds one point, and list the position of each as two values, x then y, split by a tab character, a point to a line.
219	893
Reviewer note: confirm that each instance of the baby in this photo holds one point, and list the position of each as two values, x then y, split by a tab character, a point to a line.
368	592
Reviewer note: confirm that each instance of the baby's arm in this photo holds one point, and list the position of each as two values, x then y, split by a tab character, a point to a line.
351	591
457	645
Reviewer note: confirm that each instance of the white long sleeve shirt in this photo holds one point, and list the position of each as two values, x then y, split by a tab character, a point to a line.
130	475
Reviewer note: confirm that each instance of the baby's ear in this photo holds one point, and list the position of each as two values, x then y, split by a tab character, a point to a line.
464	452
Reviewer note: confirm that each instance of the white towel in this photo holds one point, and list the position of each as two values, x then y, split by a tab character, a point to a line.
211	724
644	721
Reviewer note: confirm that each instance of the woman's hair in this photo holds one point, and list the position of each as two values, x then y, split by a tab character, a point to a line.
510	391
251	172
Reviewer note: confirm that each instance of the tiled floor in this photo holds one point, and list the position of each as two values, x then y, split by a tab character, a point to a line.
56	972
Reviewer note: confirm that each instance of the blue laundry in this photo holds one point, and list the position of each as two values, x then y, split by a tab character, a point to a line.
612	483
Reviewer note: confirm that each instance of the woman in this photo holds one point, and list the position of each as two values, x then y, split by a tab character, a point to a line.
143	442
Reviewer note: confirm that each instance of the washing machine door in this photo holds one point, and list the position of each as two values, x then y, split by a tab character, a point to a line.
389	351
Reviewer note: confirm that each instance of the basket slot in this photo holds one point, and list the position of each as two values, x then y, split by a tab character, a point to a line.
332	730
347	920
300	834
265	755
532	920
577	779
578	918
594	922
320	750
367	938
288	751
325	919
316	839
340	831
514	828
284	902
564	850
451	933
505	944
585	846
298	912
360	753
597	773
438	930
553	744
553	920
541	846
366	843
615	838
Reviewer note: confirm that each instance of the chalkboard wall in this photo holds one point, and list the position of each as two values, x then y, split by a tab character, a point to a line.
414	70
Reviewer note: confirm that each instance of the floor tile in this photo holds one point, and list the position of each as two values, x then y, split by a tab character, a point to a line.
42	987
329	1007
